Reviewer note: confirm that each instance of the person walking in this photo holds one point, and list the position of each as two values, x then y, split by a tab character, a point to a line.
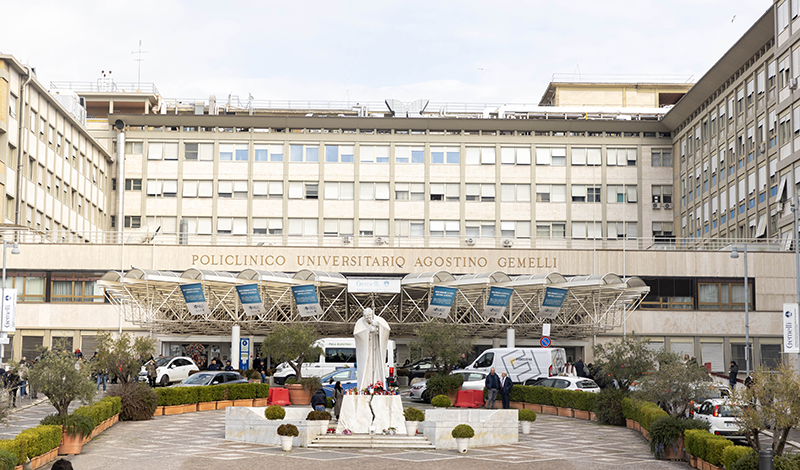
505	390
11	384
569	368
338	396
319	400
580	368
102	378
492	384
152	373
733	372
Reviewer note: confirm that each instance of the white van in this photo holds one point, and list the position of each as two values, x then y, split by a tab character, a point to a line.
337	353
522	364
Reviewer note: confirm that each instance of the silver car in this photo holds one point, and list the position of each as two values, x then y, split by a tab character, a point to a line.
212	378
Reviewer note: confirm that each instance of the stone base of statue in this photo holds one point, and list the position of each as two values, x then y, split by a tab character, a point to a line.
371	414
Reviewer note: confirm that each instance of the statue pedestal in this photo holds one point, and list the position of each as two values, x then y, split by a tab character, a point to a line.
356	415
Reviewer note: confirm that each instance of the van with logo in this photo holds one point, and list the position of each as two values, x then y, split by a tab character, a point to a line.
337	353
522	364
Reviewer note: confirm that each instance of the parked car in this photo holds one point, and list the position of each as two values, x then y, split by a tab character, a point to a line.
721	415
566	383
473	380
170	369
346	376
212	378
709	391
419	368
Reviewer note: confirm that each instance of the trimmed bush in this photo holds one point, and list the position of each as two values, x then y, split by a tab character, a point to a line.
441	401
665	433
274	412
583	400
401	372
731	454
748	461
137	400
694	441
241	392
561	398
39	440
8	459
518	393
288	430
526	415
413	414
12	446
205	393
714	450
444	384
318	416
262	390
73	425
540	395
462	431
608	406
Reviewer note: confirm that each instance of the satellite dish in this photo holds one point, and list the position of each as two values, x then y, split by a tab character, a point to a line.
119	124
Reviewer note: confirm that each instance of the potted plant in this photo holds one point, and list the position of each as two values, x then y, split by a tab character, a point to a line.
75	428
441	401
287	432
293	343
274	412
462	434
526	417
413	418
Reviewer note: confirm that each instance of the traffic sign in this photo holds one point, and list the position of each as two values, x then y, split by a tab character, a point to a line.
545	341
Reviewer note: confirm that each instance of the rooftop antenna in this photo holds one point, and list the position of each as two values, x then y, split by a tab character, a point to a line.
139	60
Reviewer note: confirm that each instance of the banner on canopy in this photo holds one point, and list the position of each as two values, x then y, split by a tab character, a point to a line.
442	299
497	302
251	299
307	301
195	299
553	300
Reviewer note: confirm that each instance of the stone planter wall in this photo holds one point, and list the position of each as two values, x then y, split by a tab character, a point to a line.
249	425
492	427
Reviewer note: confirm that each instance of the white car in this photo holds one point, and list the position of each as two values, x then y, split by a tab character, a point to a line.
170	370
473	380
567	383
721	415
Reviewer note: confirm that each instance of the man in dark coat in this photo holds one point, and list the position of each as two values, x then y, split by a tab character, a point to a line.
505	390
492	384
214	365
580	368
319	400
733	373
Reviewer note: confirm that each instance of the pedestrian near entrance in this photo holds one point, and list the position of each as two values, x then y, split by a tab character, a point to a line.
152	373
338	396
569	368
505	390
492	386
228	365
214	365
733	372
319	400
580	369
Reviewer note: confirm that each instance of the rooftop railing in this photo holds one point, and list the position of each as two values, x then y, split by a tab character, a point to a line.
105	86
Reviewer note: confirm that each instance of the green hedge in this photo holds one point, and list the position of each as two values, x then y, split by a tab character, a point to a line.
715	449
733	453
39	440
643	412
553	397
706	446
13	446
187	395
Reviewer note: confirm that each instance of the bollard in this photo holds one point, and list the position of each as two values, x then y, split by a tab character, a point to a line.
765	459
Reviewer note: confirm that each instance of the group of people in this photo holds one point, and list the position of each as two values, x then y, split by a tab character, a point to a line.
495	385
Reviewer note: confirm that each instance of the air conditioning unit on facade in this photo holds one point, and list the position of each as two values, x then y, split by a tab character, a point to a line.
668	206
508	243
656	205
470	241
346	239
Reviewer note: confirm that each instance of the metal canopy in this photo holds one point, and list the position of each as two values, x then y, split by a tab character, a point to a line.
154	300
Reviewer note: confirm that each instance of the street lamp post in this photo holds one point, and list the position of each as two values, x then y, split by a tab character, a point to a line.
735	255
3	333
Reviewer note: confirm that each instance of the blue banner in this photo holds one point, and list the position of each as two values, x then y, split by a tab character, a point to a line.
306	299
497	302
195	299
251	299
553	300
442	299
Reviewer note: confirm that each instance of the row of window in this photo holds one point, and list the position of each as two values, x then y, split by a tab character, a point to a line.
694	294
240	152
43	287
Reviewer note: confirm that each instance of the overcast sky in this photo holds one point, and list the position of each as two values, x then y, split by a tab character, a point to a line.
453	51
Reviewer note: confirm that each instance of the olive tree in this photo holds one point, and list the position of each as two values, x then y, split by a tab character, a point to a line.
62	379
444	343
625	360
292	343
771	402
674	384
121	356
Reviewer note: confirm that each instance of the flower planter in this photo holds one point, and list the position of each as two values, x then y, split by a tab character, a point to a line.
260	402
629	423
526	427
299	395
95	432
286	443
207	406
411	428
462	445
551	410
534	406
173	410
53	455
581	414
190	408
637	427
705	465
693	461
159	411
222	404
36	462
243	402
565	412
675	453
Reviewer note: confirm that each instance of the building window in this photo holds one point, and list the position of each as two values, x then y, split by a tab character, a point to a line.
480	192
265	226
723	295
448	155
409	154
515	229
587	230
409	191
198	225
515	155
480	156
133	221
303	153
339	191
586	156
339	153
373	228
620	230
620	193
194	188
133	148
374	191
662	158
556	156
663	193
445	228
515	193
551	193
233	152
268	153
549	230
340	227
669	294
134	184
445	192
198	152
479	229
373	153
621	157
303	227
162	151
409	228
75	289
30	286
303	190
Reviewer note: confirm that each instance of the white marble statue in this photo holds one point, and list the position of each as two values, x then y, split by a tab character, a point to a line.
372	337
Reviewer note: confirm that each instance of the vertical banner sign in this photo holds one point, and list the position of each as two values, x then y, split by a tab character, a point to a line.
244	353
306	299
9	318
497	302
553	299
791	335
442	300
195	299
251	299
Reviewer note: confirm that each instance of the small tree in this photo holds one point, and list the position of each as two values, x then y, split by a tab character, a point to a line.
625	360
773	401
292	343
674	385
443	342
56	376
121	356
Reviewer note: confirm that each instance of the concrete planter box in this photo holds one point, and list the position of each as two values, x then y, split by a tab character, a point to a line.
260	402
173	410
535	407
581	414
243	402
565	412
492	427
629	423
159	411
190	408
207	406
249	425
224	404
518	405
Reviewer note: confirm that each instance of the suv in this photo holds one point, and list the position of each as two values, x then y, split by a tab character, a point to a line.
170	369
721	415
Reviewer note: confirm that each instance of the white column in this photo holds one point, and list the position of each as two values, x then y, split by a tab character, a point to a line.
495	342
235	335
510	340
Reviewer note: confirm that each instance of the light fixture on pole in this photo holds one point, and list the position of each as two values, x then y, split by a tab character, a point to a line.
4	316
735	255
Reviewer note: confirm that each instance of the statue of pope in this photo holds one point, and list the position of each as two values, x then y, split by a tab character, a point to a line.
372	336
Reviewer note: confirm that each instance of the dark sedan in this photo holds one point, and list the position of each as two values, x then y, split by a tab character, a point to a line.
212	378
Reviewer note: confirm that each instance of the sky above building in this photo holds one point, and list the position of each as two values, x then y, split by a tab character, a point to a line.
445	51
